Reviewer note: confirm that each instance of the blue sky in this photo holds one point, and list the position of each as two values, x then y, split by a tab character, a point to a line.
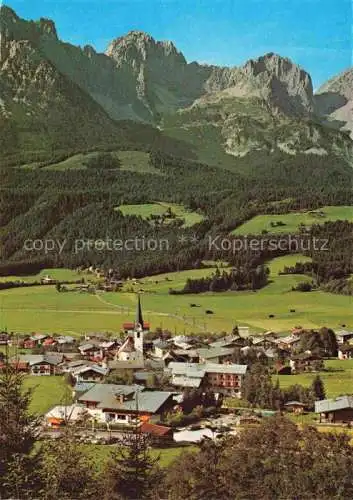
317	34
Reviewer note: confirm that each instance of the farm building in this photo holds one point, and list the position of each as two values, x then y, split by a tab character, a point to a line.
306	362
335	410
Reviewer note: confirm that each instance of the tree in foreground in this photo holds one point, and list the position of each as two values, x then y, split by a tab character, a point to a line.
276	460
132	473
18	433
67	471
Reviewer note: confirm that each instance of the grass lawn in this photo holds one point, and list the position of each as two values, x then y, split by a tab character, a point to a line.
292	220
43	309
48	391
159	208
337	378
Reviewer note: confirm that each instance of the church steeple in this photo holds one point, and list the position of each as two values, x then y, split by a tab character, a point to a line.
138	318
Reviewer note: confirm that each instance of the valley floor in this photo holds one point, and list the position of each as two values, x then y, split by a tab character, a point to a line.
43	309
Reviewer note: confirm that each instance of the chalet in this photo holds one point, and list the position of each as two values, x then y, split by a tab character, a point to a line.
125	404
229	341
40	364
88	349
215	354
48	342
89	373
222	378
306	362
345	351
295	407
65	339
339	410
288	343
343	336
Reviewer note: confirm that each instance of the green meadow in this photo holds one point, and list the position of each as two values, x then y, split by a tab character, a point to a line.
337	378
135	161
47	392
159	208
57	274
291	221
43	309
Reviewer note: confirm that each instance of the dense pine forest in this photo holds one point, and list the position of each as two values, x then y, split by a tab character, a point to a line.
40	203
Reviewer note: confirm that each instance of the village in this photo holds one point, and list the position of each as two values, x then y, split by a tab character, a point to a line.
179	388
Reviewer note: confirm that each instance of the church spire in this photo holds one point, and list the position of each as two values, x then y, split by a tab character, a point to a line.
139	318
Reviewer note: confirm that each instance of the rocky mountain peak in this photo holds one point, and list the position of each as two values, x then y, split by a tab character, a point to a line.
283	83
47	27
140	45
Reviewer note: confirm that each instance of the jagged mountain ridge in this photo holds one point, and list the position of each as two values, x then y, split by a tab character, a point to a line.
334	101
141	79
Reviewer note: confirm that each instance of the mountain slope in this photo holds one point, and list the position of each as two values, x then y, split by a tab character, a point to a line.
55	96
334	101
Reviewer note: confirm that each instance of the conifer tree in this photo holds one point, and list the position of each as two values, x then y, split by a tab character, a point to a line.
18	433
318	388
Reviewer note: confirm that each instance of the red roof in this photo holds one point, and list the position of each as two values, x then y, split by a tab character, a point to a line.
49	341
156	430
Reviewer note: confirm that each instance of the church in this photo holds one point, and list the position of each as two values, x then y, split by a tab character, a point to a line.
132	348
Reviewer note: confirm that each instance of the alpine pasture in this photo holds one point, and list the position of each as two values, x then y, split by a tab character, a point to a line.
44	309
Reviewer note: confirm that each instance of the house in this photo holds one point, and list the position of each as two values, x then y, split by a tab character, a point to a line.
345	351
215	354
48	342
229	342
65	339
295	407
335	410
89	373
47	280
343	336
4	338
40	364
159	434
61	415
80	388
88	349
288	343
306	362
161	347
183	355
124	404
222	378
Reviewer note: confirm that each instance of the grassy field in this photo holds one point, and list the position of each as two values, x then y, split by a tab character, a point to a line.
159	208
57	274
47	392
135	161
43	309
293	220
337	377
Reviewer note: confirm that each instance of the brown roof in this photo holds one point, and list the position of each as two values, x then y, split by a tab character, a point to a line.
155	430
